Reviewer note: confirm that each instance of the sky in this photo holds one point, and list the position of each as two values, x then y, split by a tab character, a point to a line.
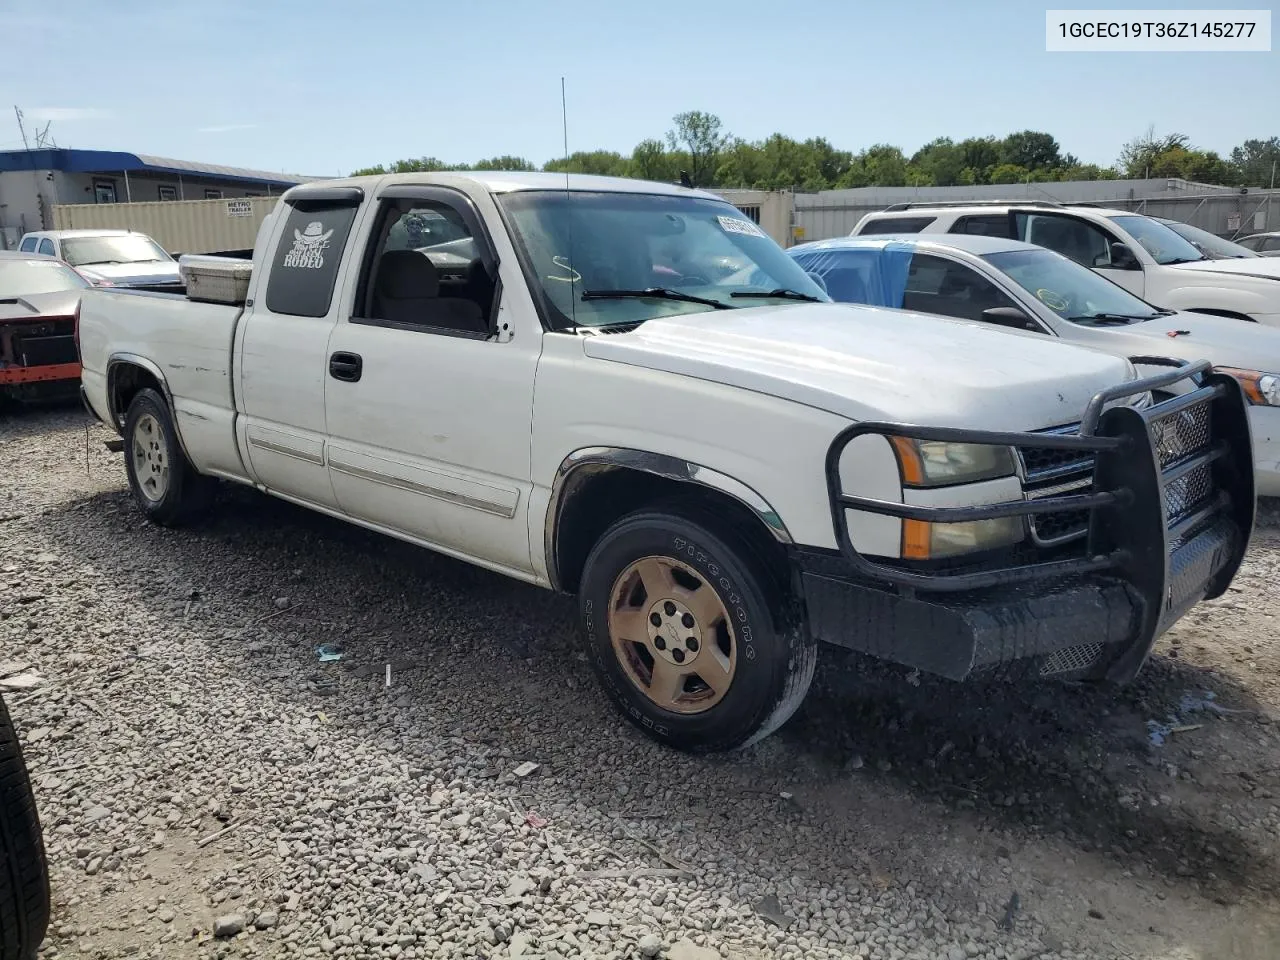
321	88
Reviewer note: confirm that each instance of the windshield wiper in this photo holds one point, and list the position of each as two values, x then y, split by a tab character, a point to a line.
653	293
1174	263
781	292
1125	318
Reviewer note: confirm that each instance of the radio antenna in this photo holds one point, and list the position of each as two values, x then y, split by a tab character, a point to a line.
568	214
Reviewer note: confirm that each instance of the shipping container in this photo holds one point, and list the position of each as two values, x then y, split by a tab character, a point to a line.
180	226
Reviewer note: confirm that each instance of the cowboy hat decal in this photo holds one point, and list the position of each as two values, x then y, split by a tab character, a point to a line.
308	248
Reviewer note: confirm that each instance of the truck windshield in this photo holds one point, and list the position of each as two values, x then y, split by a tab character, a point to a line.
693	253
1165	246
24	278
1210	244
132	248
1070	290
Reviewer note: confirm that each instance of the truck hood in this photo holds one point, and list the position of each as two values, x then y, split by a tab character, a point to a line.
1260	267
130	274
1223	341
61	304
869	363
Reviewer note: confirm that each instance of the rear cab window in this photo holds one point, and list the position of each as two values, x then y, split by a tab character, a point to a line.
304	266
46	247
879	225
29	244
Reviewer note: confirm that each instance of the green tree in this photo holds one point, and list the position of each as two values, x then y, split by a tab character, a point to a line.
978	155
1008	173
939	163
605	163
1140	157
1031	150
504	162
699	136
1256	162
885	166
650	161
1086	171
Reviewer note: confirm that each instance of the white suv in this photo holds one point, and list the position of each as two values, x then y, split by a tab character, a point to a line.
1140	254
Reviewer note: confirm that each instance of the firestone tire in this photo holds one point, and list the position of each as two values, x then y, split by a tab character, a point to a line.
164	485
24	871
772	667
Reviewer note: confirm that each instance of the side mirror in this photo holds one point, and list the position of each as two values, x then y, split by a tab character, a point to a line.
1009	317
1122	258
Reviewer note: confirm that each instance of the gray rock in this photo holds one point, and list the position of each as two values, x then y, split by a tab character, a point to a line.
266	920
688	950
650	946
228	925
96	813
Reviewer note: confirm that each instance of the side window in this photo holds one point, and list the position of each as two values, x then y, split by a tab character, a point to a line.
167	192
1082	242
987	225
849	276
882	225
1271	243
104	191
938	285
46	246
304	268
211	194
29	244
425	270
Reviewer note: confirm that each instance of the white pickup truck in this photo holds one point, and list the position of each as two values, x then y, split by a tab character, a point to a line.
539	374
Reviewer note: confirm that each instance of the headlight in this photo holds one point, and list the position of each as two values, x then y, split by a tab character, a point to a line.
1262	389
930	541
937	463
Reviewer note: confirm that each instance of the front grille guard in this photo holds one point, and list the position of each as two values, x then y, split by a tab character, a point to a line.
1130	531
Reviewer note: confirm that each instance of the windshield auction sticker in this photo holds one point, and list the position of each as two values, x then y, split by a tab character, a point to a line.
1157	31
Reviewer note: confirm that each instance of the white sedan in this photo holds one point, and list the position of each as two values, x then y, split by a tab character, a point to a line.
1036	291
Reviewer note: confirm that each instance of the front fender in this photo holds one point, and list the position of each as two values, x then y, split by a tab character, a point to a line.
582	463
1247	303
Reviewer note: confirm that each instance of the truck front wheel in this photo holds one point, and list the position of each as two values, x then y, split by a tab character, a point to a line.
686	635
164	484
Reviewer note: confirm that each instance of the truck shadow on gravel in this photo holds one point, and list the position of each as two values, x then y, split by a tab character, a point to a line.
1043	760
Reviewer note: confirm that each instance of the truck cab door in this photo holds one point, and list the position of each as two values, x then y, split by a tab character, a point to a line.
281	353
1081	241
430	402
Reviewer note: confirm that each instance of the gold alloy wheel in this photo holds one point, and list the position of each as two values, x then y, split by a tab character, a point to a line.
672	635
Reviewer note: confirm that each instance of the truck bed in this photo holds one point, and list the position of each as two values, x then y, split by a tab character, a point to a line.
191	344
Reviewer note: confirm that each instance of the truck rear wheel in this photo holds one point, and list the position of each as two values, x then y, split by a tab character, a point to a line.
683	630
164	484
24	871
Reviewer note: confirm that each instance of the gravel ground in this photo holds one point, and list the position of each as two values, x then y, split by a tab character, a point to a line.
208	788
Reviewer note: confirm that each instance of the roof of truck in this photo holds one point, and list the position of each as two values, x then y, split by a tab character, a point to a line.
507	181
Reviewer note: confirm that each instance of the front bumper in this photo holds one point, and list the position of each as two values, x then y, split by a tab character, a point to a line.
1170	513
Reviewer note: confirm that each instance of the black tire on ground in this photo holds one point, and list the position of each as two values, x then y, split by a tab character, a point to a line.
24	872
775	656
151	453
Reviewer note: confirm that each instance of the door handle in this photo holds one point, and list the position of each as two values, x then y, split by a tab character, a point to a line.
346	366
